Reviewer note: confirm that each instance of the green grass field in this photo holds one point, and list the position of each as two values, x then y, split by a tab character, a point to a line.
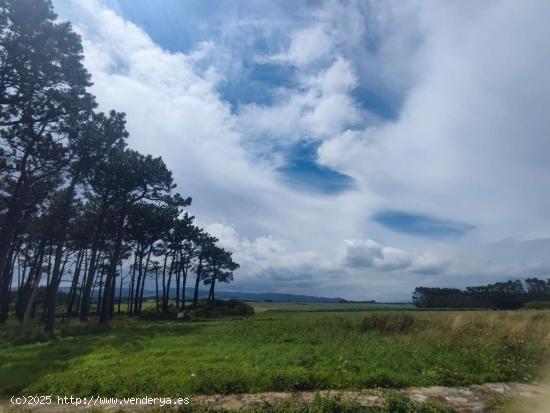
276	351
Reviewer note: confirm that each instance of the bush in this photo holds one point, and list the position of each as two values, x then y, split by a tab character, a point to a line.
537	305
387	323
218	309
153	315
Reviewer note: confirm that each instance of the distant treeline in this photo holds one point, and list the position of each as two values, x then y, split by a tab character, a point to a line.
500	295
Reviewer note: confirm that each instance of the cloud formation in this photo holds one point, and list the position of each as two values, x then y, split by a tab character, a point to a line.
367	253
435	110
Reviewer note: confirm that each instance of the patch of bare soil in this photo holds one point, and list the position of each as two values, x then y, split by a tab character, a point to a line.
462	399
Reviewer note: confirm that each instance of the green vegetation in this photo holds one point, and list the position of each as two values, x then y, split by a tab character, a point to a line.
88	225
537	305
78	206
203	310
388	323
274	351
508	295
230	308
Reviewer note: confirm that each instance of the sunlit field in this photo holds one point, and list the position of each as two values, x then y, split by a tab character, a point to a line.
273	350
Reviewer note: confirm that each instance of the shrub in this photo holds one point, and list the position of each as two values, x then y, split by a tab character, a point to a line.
218	309
387	323
537	305
152	315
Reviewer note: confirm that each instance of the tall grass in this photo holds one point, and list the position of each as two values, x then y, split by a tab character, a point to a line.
279	351
520	340
387	323
493	325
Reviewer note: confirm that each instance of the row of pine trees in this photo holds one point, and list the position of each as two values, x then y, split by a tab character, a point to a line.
78	208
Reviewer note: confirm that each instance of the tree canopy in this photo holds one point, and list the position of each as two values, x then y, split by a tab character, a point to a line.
78	207
500	295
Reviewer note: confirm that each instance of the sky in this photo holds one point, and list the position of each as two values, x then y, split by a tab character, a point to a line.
342	148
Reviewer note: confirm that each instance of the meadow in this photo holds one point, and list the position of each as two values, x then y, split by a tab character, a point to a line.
275	351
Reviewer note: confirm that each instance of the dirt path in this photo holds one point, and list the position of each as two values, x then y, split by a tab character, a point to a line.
463	399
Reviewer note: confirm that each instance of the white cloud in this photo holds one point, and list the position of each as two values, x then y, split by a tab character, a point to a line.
470	142
338	78
272	257
308	46
367	253
320	108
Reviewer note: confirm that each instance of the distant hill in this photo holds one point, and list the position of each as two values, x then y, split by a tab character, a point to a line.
245	296
276	297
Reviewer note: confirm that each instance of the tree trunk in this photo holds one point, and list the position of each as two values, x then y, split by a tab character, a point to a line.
106	308
81	289
167	296
8	278
178	284
49	268
197	281
135	293
120	291
164	279
26	257
113	290
74	284
51	296
101	289
9	232
86	295
27	289
143	280
36	283
157	288
184	268
130	305
212	286
184	282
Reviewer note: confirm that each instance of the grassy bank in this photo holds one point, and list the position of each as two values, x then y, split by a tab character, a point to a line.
276	351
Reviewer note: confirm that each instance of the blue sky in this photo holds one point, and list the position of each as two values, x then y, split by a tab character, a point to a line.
181	26
350	148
